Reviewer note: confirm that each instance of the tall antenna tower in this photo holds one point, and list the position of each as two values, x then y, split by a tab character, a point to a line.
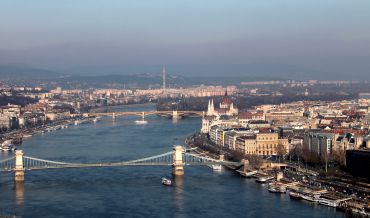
164	78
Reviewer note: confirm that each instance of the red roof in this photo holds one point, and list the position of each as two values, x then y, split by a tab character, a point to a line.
249	114
346	130
226	101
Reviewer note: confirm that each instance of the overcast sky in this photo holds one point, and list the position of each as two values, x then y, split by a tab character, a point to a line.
193	37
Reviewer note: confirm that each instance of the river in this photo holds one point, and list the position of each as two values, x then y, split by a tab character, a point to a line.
135	191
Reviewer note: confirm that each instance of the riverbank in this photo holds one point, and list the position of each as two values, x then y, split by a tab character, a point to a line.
19	135
291	181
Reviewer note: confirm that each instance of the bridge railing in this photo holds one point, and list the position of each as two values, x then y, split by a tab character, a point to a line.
7	164
162	159
37	163
195	159
165	159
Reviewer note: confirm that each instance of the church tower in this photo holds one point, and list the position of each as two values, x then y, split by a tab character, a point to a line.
211	108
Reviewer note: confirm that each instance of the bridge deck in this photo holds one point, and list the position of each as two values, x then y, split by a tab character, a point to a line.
165	159
145	113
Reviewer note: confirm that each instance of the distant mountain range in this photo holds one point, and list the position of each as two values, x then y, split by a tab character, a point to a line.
156	79
29	75
8	72
216	75
22	73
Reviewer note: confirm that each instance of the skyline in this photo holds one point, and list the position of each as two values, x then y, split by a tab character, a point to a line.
280	39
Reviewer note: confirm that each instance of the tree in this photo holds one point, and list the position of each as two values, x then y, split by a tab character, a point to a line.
339	155
254	160
325	160
310	157
281	151
296	152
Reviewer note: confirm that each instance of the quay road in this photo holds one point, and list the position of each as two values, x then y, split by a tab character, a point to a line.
17	135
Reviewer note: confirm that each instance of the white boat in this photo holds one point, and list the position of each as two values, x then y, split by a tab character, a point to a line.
26	136
327	202
96	119
166	181
7	146
141	122
311	198
264	179
295	195
248	174
277	187
216	167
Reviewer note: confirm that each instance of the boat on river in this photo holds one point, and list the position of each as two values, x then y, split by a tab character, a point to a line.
216	167
327	202
247	174
7	146
277	187
310	198
264	179
141	122
26	136
295	195
166	181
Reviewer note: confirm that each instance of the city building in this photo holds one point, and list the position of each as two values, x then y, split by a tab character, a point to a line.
318	142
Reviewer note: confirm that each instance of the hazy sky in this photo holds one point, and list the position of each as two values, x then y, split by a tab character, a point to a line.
195	37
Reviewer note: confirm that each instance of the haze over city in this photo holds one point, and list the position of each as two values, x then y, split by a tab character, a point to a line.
299	39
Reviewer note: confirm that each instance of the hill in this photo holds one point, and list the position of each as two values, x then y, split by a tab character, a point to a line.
11	73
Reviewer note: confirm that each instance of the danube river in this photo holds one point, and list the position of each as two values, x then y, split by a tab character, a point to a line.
135	191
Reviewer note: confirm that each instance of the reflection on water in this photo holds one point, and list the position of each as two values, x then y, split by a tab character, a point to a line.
179	195
19	192
19	196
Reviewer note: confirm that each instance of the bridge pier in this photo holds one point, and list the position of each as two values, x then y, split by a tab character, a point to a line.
175	115
178	163
113	116
19	167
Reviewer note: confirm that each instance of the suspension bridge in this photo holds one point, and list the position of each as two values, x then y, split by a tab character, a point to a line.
177	158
